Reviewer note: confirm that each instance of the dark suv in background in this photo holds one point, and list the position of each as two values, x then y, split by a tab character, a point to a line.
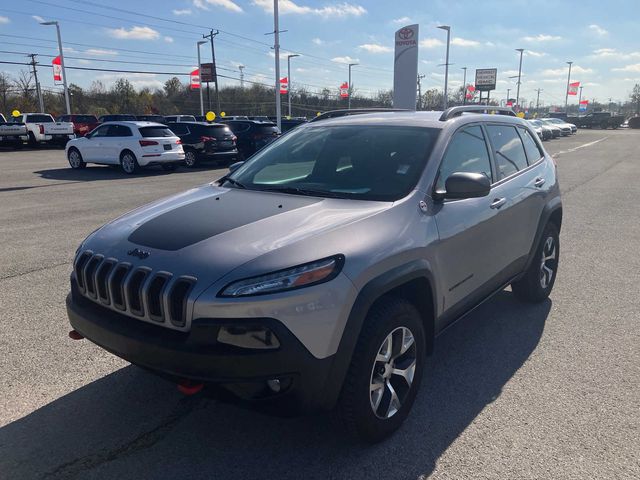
117	118
205	141
82	124
252	134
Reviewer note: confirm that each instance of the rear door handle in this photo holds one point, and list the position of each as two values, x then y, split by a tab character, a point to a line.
539	182
498	202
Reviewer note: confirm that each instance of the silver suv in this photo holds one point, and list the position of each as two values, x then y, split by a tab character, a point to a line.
319	272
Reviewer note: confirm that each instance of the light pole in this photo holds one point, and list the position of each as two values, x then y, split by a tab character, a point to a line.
538	101
289	57
201	42
446	64
276	50
566	94
508	91
241	68
464	86
64	73
521	50
350	89
579	100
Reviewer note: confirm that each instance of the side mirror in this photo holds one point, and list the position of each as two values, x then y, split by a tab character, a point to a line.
467	185
234	166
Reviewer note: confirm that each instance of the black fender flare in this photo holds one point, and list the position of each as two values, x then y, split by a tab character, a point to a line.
553	206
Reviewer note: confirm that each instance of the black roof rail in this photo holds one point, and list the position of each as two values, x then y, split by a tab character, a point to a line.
354	111
453	112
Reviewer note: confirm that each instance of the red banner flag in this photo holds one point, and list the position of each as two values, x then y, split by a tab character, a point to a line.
57	69
284	86
344	90
573	88
195	79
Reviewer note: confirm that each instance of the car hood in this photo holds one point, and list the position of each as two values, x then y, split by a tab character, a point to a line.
209	230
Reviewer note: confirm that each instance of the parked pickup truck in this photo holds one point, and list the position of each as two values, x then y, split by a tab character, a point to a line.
597	120
42	128
11	134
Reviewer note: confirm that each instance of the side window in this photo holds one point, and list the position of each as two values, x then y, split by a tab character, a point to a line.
530	146
119	131
509	151
179	129
467	152
100	131
239	127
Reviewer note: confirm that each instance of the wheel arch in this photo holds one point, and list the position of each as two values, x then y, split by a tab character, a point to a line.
125	150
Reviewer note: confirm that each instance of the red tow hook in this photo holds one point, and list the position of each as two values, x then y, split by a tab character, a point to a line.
75	335
187	387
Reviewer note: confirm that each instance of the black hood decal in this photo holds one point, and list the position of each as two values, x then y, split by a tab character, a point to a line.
207	217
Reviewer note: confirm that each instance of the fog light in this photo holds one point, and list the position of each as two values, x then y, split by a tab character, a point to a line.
274	385
248	336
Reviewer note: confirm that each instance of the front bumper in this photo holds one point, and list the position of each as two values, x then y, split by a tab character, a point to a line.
196	355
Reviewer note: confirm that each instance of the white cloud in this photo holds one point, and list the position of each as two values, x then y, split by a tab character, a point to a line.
346	59
541	37
401	20
226	4
555	72
168	39
375	48
553	80
340	10
38	18
590	84
184	11
598	30
604	53
135	33
318	41
532	53
431	43
462	42
4	19
510	73
83	61
628	68
99	52
137	80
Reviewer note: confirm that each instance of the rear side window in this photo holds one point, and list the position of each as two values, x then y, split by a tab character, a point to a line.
214	130
239	127
467	152
85	119
530	146
119	131
508	150
179	129
100	131
267	129
39	119
156	132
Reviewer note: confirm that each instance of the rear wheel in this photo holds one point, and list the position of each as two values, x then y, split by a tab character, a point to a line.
538	280
129	163
190	158
75	159
385	371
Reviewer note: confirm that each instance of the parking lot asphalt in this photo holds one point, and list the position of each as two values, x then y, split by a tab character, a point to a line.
512	391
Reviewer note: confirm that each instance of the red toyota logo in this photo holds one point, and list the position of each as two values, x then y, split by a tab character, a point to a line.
405	33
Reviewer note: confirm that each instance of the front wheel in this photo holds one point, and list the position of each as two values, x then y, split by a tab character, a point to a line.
385	371
538	280
75	159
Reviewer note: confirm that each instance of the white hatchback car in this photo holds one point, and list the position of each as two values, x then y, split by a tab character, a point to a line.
129	144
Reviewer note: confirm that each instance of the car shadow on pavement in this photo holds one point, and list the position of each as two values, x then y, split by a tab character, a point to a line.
131	424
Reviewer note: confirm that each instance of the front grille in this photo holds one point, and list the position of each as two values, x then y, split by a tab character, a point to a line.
158	297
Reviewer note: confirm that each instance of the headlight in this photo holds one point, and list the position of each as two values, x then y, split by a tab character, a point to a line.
289	279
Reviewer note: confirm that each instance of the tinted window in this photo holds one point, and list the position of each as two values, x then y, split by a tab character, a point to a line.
187	118
509	152
214	130
100	131
39	119
119	131
239	127
370	163
156	132
467	152
179	129
85	119
267	129
63	118
530	146
171	119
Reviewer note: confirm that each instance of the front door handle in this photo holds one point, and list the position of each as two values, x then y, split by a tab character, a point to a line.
498	202
539	182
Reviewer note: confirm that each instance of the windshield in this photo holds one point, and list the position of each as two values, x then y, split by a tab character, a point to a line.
369	163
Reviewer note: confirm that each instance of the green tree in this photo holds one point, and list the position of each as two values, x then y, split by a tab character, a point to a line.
635	97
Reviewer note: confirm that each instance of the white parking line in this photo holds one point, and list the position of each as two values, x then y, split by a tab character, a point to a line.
579	147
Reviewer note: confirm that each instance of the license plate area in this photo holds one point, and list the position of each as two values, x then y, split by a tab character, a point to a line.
167	146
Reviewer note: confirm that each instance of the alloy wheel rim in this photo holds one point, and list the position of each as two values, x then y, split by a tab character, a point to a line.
393	373
74	159
189	159
127	163
548	262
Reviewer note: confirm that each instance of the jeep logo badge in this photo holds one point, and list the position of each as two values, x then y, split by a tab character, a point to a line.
136	252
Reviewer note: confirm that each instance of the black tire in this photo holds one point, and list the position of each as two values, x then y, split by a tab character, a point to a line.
537	282
169	167
32	140
129	163
190	158
386	319
75	159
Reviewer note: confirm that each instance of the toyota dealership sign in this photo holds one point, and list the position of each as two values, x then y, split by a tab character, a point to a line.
405	67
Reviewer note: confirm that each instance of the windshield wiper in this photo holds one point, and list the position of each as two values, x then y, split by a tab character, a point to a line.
231	181
303	191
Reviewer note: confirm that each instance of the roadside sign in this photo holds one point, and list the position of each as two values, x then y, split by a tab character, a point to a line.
284	86
344	89
405	67
583	105
15	113
195	79
206	72
210	116
486	79
57	69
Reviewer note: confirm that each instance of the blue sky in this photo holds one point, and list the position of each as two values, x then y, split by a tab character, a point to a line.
601	38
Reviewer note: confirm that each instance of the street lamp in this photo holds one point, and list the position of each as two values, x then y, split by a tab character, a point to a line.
200	42
508	91
464	86
350	89
64	73
446	64
521	50
566	94
289	57
276	51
